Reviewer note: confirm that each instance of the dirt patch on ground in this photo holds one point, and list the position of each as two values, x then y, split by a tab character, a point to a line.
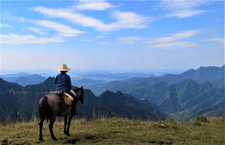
158	142
72	141
4	142
8	141
90	137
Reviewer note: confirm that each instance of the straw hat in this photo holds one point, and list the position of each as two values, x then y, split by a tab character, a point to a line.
63	68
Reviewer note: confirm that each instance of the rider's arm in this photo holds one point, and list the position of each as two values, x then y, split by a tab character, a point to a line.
56	79
69	82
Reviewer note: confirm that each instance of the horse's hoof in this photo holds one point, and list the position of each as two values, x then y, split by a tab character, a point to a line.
54	138
41	139
65	132
68	134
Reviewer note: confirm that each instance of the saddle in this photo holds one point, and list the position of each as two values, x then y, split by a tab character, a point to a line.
67	98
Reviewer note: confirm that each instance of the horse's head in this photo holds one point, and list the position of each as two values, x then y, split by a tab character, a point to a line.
80	94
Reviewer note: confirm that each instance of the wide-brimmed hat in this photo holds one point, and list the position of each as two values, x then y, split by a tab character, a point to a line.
63	68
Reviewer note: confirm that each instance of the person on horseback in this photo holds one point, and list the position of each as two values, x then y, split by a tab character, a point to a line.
63	82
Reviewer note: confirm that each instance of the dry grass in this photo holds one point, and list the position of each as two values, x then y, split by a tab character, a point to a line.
118	131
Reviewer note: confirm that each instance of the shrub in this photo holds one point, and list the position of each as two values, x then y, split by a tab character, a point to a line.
202	118
113	118
171	120
196	123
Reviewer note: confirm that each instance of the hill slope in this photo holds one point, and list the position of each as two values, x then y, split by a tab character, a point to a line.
117	131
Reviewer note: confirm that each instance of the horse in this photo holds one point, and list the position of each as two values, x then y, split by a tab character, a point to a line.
52	105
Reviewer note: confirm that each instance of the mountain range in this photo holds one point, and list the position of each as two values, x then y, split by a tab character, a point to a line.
183	101
214	75
20	103
183	96
23	78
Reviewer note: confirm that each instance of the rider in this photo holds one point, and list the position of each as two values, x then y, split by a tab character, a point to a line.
63	82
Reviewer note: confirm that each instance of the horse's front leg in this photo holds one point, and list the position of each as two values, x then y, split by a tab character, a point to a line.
68	126
65	123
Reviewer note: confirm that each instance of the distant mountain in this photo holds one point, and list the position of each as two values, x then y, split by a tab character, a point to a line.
114	76
219	83
9	97
85	82
23	78
21	103
216	113
20	74
199	75
9	87
91	79
121	105
183	101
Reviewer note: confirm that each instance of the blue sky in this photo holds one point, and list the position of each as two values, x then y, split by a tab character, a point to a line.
166	34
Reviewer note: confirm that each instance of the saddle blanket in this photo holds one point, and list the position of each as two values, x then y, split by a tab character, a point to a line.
66	97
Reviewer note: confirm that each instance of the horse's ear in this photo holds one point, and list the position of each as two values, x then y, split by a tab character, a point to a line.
81	87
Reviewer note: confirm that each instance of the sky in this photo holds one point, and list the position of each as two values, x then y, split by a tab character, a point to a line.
111	35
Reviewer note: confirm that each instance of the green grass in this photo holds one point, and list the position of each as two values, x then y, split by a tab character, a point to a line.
118	131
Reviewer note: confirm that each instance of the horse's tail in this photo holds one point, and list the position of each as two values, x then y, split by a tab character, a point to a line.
44	108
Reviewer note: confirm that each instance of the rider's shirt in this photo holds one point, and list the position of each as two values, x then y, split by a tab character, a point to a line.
63	82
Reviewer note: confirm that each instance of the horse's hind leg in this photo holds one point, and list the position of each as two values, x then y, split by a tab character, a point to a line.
68	126
52	120
40	126
65	123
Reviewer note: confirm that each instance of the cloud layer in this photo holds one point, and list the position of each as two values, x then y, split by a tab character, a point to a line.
14	39
172	41
125	20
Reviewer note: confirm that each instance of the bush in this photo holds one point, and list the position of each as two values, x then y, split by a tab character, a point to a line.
196	123
171	120
202	118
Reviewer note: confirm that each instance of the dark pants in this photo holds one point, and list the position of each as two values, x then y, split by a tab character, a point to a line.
74	97
75	100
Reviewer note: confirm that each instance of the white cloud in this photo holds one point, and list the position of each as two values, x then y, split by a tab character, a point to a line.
128	20
125	20
172	40
174	45
220	40
178	36
62	29
100	37
104	43
130	40
27	39
164	42
93	5
5	25
87	40
37	30
183	8
186	13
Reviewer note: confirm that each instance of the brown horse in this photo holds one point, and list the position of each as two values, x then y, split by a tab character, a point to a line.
52	105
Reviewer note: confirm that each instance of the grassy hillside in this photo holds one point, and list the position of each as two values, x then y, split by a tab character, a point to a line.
119	131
